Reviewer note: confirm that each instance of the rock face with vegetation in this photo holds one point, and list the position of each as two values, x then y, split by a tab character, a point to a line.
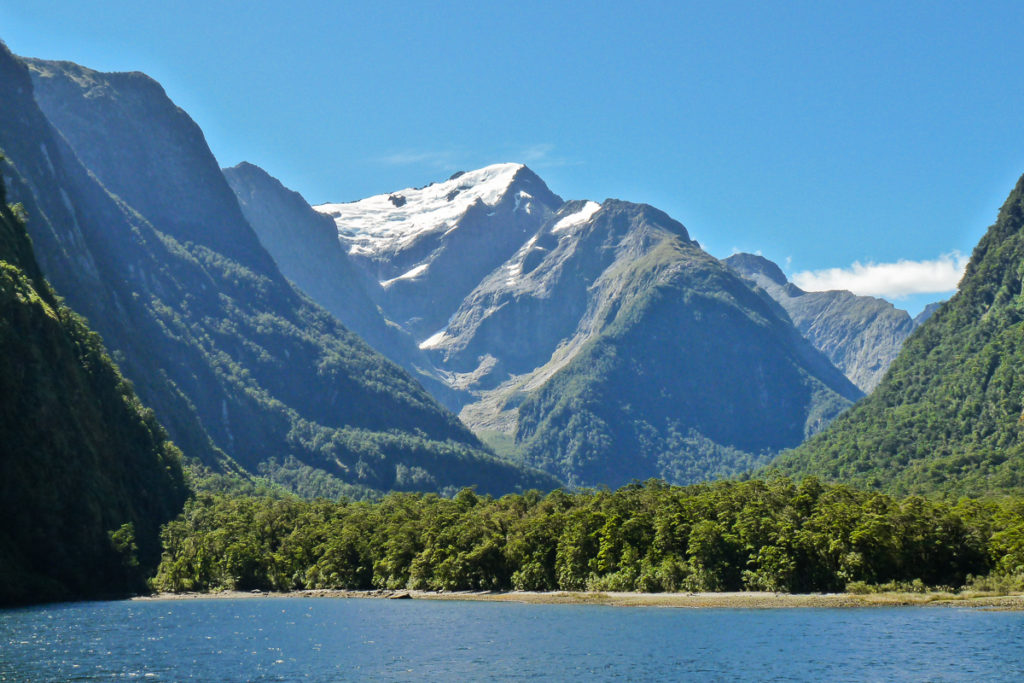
137	226
948	417
596	341
87	474
675	368
861	335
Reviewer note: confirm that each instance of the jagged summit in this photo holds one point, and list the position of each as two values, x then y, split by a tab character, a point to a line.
751	264
387	222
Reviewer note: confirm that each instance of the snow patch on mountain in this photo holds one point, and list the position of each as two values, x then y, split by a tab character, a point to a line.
383	222
520	197
579	218
435	340
513	271
408	275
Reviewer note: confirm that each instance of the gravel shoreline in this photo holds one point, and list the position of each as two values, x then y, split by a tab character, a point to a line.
743	600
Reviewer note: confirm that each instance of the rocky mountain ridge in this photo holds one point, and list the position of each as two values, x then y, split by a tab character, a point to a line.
861	335
568	333
429	247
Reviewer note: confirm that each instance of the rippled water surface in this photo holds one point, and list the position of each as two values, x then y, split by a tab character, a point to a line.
286	639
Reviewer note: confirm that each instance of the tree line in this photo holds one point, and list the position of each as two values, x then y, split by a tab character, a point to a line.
776	535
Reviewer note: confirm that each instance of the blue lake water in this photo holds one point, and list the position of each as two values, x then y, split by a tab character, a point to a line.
296	639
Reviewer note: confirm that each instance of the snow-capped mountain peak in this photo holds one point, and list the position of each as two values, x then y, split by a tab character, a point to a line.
388	221
428	247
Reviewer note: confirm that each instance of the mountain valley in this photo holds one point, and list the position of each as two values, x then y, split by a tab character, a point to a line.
554	324
948	417
209	384
585	343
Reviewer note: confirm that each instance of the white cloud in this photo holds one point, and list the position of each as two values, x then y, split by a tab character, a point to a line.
535	153
891	280
538	156
441	159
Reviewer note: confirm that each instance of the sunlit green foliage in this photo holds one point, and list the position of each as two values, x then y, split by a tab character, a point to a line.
948	416
776	535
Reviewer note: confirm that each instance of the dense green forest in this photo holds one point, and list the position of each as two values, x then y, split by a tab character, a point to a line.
777	535
948	416
87	474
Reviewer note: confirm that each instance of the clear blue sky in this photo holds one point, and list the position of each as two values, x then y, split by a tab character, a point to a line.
816	133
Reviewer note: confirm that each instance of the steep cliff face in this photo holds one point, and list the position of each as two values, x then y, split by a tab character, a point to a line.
91	246
304	244
861	335
243	367
87	475
148	152
948	416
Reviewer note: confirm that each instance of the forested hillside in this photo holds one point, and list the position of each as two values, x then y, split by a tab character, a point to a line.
948	417
87	474
689	375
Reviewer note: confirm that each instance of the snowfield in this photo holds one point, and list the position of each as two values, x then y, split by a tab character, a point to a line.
388	221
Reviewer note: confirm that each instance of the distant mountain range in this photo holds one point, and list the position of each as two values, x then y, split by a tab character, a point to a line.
147	295
586	343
